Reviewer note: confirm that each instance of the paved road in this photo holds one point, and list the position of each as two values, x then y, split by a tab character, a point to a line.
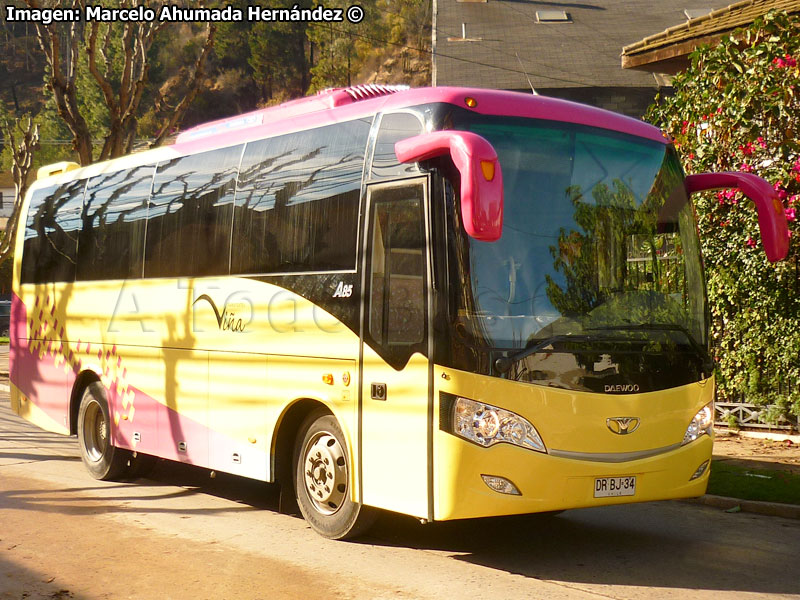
183	535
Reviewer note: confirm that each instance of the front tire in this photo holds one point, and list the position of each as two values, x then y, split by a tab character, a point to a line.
322	480
100	457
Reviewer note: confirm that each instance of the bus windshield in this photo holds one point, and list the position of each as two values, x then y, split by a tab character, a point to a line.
599	259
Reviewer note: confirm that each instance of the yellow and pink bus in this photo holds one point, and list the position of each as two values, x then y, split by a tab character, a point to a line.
447	303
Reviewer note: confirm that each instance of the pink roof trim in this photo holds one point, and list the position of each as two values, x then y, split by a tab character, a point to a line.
334	106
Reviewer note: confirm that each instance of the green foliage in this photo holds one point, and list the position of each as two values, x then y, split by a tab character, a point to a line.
341	48
733	421
737	108
55	145
770	485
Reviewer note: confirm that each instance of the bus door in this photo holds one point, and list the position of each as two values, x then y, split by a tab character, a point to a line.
395	397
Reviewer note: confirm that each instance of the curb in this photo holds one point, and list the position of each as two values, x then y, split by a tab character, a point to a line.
775	436
771	509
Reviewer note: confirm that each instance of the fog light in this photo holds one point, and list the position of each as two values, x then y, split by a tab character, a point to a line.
700	470
500	484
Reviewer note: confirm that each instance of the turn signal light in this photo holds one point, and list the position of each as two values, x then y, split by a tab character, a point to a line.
487	166
470	101
327	378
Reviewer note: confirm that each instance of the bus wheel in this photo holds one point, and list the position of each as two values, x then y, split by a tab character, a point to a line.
101	458
322	480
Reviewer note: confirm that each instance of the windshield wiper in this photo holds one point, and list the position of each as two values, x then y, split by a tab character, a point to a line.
708	363
504	363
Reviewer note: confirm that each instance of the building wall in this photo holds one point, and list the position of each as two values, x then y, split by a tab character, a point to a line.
7	201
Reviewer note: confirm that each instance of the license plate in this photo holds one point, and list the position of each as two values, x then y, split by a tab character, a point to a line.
605	487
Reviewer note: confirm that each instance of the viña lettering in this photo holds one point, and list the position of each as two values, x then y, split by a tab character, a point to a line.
227	321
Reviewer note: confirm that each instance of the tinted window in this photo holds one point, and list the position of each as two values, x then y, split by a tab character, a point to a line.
51	233
114	216
297	201
397	272
394	127
189	216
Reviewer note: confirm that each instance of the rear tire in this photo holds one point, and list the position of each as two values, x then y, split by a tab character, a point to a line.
101	458
322	480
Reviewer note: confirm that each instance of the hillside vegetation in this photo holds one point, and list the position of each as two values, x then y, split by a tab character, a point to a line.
252	65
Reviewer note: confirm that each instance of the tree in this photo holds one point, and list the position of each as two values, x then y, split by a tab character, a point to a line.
112	62
737	108
22	137
341	48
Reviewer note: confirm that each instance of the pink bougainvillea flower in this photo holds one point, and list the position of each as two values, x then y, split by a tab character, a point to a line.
746	168
747	149
790	214
751	242
761	142
785	61
778	187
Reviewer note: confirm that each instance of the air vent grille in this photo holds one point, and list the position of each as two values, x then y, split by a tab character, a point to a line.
355	93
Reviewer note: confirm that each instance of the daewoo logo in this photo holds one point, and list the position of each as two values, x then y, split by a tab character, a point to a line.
227	321
623	425
628	387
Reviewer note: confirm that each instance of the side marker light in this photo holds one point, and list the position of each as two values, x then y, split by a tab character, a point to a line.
487	167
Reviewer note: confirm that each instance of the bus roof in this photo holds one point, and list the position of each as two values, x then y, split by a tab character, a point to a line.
342	104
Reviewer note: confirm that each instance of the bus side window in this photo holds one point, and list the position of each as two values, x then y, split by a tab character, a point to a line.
51	233
393	128
112	237
397	272
297	201
190	213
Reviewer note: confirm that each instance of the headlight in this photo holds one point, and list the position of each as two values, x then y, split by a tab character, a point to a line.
701	424
487	425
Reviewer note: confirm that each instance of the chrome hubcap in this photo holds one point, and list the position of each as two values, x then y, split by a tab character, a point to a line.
325	472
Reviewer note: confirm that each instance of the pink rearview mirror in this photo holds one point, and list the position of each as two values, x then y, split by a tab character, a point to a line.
771	218
481	177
